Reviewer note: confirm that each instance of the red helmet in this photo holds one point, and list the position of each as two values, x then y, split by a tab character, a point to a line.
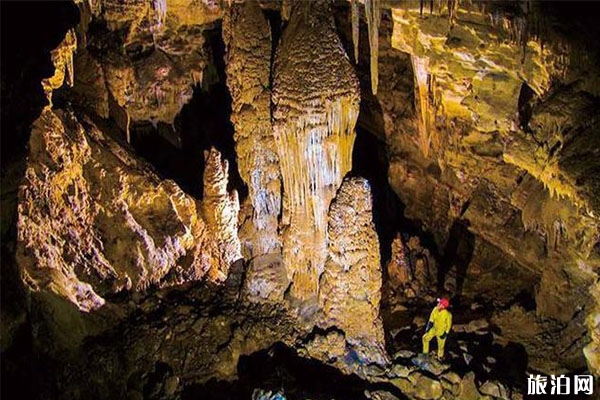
443	302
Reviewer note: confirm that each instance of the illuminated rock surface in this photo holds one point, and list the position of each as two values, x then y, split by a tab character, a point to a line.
248	38
94	221
350	287
315	106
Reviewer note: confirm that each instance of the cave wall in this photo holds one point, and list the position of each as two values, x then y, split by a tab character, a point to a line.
469	156
135	64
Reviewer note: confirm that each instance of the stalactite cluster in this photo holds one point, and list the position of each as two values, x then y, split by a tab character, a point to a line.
315	109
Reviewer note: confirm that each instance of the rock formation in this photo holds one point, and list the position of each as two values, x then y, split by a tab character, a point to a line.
495	147
350	286
80	185
315	106
220	209
62	60
248	38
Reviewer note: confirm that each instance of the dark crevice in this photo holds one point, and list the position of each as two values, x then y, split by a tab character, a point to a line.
525	106
280	368
276	24
177	151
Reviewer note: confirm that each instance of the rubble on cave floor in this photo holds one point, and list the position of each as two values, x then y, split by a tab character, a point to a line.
191	342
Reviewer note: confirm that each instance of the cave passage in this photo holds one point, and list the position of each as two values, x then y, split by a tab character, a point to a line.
177	151
370	161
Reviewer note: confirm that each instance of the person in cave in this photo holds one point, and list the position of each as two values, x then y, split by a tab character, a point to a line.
438	326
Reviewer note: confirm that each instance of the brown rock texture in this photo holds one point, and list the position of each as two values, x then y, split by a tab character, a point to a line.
248	38
62	59
220	209
492	153
93	220
315	106
151	54
350	286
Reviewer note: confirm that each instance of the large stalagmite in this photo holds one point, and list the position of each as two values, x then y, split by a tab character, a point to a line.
350	287
248	38
316	102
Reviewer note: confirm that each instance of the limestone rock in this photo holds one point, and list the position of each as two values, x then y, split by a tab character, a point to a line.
329	347
491	95
477	325
398	269
151	53
494	389
315	107
62	60
427	388
266	279
90	87
248	65
79	185
221	208
94	221
400	371
350	287
430	364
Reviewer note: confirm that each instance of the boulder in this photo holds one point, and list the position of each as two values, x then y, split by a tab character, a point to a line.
430	364
494	389
427	388
468	389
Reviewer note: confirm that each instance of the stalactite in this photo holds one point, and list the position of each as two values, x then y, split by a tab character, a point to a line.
452	10
373	12
160	8
423	104
355	27
314	116
70	70
127	127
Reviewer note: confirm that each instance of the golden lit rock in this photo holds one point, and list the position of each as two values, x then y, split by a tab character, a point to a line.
248	38
220	209
62	60
93	220
316	101
350	286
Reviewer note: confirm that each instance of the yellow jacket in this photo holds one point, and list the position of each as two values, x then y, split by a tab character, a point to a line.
441	319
